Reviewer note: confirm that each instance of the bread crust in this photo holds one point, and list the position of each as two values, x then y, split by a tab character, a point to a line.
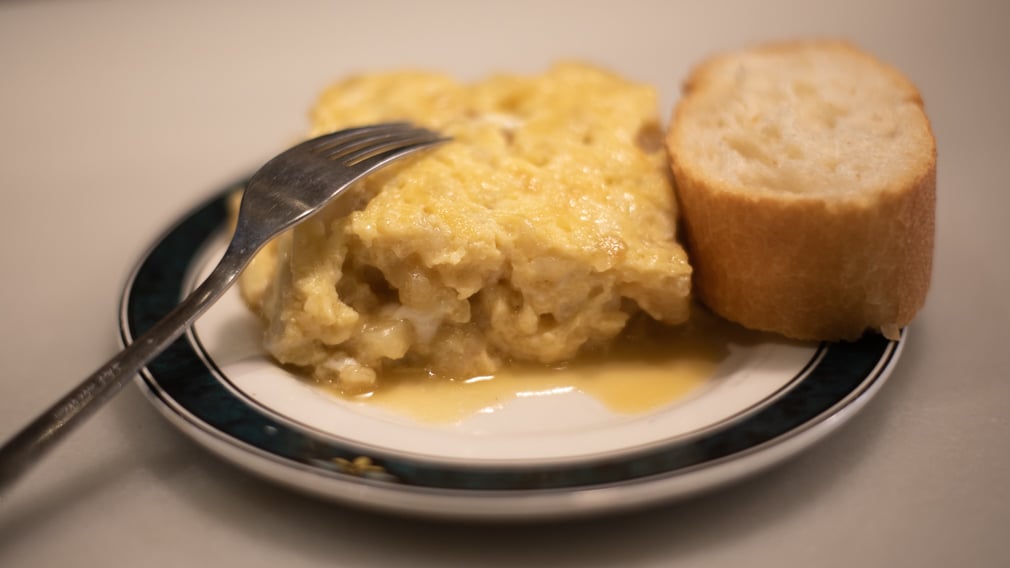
812	267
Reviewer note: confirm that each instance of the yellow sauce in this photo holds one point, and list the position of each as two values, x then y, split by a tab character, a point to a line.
648	367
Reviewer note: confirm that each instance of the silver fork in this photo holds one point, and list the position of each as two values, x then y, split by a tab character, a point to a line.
285	191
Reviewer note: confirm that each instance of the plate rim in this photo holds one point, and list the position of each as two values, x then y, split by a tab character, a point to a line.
383	489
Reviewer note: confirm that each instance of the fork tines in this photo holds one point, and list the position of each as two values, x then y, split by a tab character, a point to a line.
358	144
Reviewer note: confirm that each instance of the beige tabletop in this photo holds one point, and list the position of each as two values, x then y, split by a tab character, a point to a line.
117	117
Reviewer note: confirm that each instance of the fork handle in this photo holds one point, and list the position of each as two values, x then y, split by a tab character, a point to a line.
27	446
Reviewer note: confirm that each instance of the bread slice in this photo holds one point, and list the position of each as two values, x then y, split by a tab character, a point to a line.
806	174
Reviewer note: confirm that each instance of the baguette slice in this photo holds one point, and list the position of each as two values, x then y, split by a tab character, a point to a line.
806	174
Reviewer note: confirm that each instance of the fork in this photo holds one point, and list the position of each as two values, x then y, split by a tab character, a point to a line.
285	191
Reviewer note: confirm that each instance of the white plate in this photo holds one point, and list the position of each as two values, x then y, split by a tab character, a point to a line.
533	457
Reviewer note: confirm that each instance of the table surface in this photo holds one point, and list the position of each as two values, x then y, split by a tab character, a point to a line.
115	118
